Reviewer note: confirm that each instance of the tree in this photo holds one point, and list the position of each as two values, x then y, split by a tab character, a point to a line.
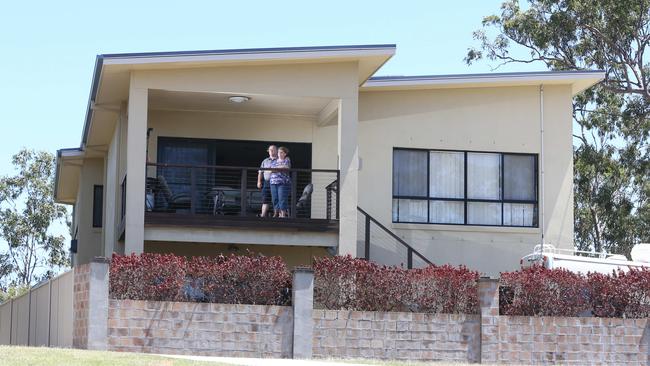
27	212
611	144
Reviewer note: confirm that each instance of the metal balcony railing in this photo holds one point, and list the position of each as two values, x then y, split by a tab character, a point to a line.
227	191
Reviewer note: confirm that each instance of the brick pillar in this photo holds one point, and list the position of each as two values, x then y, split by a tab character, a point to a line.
90	303
488	292
302	301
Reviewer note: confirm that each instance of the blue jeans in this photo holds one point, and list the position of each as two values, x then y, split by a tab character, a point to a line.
280	193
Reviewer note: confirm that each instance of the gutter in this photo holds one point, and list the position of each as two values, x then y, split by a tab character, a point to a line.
476	80
246	51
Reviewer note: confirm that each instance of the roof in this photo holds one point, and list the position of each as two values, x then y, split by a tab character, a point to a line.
579	80
70	158
250	51
370	59
372	56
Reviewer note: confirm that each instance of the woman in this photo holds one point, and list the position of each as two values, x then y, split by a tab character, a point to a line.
281	182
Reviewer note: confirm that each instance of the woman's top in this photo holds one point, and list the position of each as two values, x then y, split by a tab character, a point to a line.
281	177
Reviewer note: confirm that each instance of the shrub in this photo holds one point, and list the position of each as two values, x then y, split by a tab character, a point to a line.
380	288
242	279
334	282
344	282
537	291
225	279
147	277
637	284
621	294
607	294
445	289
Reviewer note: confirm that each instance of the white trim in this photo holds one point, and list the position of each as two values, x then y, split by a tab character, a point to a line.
478	80
467	228
244	56
542	193
72	153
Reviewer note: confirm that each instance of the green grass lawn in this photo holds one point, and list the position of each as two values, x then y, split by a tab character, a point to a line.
21	356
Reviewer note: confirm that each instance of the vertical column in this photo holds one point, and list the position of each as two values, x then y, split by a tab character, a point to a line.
90	319
136	160
98	304
488	292
348	151
111	187
303	305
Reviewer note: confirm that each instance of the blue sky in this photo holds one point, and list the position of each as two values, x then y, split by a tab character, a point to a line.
47	49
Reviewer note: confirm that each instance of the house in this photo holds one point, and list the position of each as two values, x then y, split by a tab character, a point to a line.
464	169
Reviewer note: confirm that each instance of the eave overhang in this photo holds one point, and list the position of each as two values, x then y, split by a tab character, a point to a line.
579	80
66	180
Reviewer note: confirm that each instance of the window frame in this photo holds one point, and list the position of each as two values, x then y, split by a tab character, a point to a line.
502	201
98	212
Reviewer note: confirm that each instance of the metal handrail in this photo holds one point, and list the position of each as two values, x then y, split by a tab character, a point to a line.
167	165
548	248
409	249
241	179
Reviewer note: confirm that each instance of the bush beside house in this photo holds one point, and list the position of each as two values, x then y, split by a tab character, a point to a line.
343	282
356	284
538	291
234	279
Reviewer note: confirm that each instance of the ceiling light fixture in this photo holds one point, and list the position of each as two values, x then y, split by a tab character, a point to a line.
238	99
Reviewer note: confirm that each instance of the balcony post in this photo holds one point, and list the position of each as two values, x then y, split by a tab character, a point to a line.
136	149
294	184
347	199
366	237
193	191
242	193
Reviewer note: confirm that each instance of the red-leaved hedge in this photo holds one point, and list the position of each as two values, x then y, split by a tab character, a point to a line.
234	279
344	282
538	291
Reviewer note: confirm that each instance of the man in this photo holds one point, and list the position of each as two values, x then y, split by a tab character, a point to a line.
263	177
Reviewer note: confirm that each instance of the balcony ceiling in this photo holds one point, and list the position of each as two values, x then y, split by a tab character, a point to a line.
218	102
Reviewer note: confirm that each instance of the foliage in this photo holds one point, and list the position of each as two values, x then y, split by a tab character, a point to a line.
12	292
344	282
27	211
445	289
538	291
232	280
241	279
612	148
158	277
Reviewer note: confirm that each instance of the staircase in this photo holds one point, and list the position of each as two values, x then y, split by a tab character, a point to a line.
377	239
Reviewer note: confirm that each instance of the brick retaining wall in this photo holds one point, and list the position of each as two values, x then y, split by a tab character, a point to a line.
301	332
392	335
559	340
200	329
81	294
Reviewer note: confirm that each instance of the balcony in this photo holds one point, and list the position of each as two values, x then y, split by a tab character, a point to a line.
206	196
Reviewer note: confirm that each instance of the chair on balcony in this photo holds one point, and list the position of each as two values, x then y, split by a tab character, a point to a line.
166	200
303	206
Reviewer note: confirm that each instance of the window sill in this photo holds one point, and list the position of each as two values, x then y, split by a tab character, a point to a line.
467	228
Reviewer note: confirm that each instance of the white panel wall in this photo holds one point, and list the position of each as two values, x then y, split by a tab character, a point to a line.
42	317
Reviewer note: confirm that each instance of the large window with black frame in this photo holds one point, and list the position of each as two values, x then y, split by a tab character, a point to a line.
465	188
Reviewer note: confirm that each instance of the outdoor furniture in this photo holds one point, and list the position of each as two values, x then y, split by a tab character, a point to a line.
166	200
303	206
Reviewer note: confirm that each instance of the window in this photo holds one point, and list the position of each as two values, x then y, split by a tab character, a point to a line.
464	188
98	207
